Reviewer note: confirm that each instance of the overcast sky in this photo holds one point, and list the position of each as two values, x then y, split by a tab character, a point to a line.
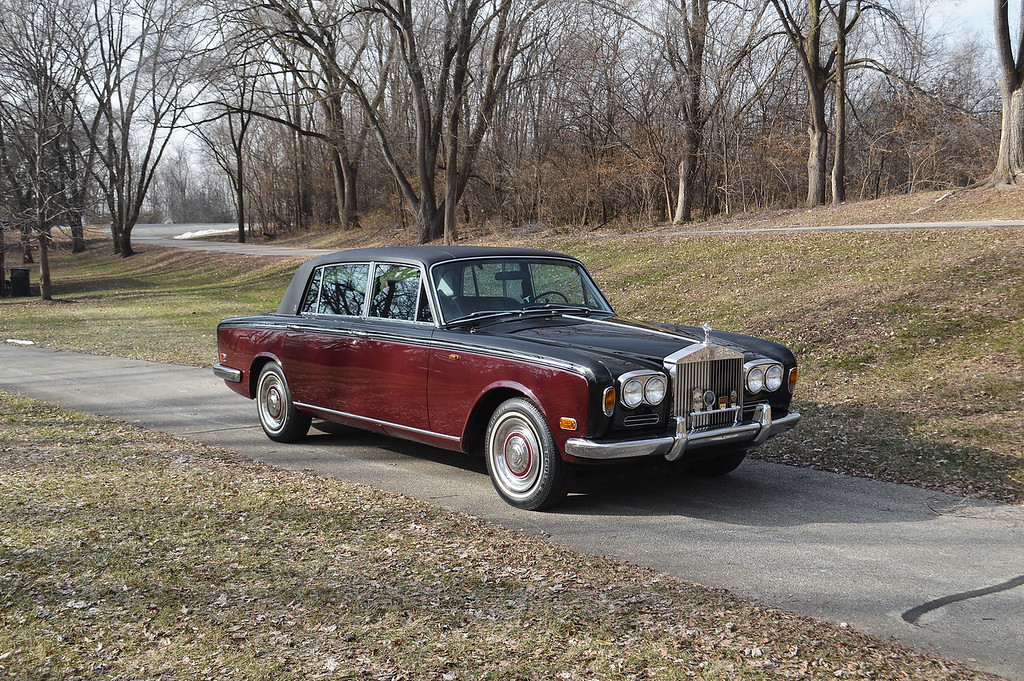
972	15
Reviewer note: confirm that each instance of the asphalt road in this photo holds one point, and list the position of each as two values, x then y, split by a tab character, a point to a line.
930	571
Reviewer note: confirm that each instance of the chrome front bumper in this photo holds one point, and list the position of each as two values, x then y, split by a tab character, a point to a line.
673	447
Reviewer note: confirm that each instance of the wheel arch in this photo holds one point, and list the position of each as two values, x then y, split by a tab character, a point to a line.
258	363
476	424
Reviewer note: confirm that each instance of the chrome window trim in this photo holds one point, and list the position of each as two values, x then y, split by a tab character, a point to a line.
364	312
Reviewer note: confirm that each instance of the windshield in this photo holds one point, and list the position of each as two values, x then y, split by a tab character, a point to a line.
497	285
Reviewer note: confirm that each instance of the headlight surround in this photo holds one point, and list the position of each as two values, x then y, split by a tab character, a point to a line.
655	390
773	377
633	393
764	375
642	387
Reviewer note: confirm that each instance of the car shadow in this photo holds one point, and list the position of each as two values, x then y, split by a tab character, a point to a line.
757	494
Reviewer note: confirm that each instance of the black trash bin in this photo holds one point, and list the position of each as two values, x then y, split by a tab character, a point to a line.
19	282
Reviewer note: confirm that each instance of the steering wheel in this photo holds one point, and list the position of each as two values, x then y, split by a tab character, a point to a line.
561	295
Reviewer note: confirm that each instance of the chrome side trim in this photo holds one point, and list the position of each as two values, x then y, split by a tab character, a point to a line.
674	447
227	373
378	423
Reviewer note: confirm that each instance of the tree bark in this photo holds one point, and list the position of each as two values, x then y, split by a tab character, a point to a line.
839	158
817	156
687	175
3	260
239	184
1010	161
44	265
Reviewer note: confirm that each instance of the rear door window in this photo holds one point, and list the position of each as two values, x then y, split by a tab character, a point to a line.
337	290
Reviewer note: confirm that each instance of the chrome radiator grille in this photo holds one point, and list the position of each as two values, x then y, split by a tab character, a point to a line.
716	376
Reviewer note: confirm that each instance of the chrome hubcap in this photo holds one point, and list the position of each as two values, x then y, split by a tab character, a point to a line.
517	455
274	403
514	451
271	402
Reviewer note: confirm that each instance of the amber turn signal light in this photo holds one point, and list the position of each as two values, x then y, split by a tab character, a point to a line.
566	423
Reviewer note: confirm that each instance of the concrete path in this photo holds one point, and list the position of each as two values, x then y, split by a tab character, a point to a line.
928	570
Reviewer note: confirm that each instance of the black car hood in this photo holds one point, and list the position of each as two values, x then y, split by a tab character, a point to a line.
616	342
619	342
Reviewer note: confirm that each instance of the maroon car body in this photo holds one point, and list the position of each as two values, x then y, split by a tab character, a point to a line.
513	353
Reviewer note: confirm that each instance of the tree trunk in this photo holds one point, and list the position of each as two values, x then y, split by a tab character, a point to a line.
1010	162
337	176
687	176
351	175
44	265
77	233
839	160
238	188
26	245
431	222
3	260
817	155
124	243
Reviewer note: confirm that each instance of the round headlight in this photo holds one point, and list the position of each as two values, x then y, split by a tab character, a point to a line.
654	391
755	380
773	377
633	393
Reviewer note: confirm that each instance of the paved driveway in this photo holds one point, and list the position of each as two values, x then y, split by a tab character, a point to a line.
928	570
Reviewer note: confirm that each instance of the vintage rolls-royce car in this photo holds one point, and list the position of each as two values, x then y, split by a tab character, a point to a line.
512	353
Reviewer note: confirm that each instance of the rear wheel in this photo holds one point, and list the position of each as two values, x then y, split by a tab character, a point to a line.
281	421
522	459
723	464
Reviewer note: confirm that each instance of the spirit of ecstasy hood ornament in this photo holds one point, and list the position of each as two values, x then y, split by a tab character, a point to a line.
707	332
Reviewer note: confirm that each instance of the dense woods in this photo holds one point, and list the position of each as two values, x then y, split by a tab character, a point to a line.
429	114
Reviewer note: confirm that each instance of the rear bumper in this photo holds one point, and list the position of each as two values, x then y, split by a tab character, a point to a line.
227	373
672	448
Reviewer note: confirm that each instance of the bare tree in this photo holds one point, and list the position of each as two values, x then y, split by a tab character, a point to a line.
138	63
39	80
1010	161
806	28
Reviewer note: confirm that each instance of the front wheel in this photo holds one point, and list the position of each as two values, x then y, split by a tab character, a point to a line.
281	421
522	459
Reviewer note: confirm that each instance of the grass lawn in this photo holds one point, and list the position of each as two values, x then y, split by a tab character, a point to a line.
127	554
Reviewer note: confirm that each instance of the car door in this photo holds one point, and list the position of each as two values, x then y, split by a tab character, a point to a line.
323	338
388	367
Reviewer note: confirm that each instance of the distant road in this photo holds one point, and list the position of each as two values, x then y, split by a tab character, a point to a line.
165	235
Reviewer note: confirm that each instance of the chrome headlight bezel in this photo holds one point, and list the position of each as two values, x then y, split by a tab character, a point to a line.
632	393
773	377
637	388
763	375
655	390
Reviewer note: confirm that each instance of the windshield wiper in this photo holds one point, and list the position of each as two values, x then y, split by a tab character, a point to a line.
558	308
528	311
483	315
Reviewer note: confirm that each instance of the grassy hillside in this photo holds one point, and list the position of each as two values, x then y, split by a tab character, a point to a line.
911	344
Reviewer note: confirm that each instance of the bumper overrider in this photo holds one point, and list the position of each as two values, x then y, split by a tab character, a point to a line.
673	447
